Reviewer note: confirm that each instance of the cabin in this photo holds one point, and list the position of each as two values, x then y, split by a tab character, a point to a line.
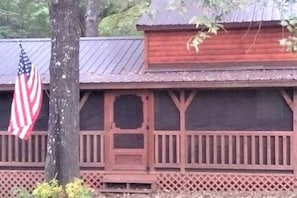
157	116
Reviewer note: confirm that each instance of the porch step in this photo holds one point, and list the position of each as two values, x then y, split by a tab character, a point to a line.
128	183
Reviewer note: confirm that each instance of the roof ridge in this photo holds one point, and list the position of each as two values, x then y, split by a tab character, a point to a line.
16	40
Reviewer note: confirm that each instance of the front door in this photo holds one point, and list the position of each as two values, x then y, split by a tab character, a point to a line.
128	131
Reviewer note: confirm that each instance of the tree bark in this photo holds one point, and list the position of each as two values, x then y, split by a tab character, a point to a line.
62	160
92	18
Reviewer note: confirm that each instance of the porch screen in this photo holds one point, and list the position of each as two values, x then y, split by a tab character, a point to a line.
5	105
244	110
92	113
42	121
5	108
166	113
128	112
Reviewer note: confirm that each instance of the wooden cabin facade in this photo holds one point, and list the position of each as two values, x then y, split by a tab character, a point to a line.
154	115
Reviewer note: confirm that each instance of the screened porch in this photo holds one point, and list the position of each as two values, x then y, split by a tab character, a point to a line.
248	130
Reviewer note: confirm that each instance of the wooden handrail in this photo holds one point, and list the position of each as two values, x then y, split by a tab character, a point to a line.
246	150
31	153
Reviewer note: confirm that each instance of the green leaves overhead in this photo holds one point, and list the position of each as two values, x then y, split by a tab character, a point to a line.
23	18
290	43
122	17
211	12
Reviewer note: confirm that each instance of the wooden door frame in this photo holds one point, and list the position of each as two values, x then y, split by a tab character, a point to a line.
109	98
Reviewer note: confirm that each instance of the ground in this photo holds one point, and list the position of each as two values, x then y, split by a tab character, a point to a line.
206	195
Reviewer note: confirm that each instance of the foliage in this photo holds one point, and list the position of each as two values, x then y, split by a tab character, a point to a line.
21	193
76	189
30	18
122	17
24	18
49	189
211	13
290	43
52	189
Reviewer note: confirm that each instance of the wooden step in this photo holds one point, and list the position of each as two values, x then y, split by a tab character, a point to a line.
128	183
130	178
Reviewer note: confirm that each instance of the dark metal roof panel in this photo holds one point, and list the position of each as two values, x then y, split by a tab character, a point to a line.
121	60
254	11
98	56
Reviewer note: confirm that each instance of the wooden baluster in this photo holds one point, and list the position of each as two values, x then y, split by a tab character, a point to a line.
207	152
88	145
245	150
253	143
238	151
23	149
102	148
10	148
215	150
171	149
261	150
200	149
16	147
223	153
285	151
156	148
192	151
95	148
37	149
277	153
163	149
178	148
81	148
230	149
43	147
268	150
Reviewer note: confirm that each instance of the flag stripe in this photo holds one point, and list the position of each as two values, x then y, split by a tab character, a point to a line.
27	99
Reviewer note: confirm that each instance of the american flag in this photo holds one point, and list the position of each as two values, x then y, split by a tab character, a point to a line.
27	98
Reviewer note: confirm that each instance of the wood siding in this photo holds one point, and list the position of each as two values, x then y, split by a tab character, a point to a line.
234	46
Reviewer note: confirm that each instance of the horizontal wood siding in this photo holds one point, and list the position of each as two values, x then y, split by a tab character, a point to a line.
233	46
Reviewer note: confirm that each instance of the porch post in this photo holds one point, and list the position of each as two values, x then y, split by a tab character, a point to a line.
294	142
182	131
107	126
150	131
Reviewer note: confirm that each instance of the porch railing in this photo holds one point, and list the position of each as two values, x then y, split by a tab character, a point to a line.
248	150
32	152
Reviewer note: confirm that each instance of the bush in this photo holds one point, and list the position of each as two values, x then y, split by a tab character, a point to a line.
52	189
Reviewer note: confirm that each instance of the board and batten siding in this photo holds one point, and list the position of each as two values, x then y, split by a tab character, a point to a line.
233	46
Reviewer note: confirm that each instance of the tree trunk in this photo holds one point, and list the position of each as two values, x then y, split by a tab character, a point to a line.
92	18
62	160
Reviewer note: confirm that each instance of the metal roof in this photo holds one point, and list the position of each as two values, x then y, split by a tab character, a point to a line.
118	63
253	11
98	56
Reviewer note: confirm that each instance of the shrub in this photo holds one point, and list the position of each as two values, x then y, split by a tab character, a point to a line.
52	189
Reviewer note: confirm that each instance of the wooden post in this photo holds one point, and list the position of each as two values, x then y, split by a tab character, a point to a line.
150	132
294	142
182	131
107	127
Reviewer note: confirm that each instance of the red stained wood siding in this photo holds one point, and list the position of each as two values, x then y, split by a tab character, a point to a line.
233	46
